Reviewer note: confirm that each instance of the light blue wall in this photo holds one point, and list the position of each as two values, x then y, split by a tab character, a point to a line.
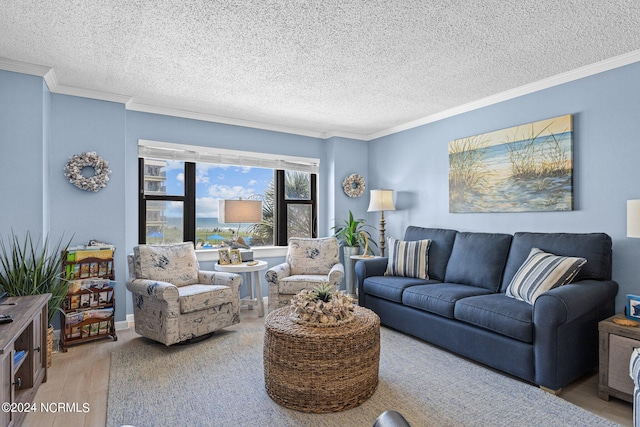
81	125
348	157
21	158
46	143
606	155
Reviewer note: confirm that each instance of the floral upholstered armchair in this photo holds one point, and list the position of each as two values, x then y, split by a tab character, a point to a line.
309	262
173	301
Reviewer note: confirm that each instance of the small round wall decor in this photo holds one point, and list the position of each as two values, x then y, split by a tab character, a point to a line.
353	185
73	171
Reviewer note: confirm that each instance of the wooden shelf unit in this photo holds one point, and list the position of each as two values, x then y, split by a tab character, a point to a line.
28	332
88	303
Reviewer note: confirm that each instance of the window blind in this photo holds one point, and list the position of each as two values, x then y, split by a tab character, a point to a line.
193	153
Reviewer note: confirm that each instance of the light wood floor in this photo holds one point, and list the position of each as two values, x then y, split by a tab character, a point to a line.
82	376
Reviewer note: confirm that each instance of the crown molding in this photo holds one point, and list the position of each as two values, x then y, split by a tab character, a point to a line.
347	135
23	67
154	109
48	74
569	76
89	93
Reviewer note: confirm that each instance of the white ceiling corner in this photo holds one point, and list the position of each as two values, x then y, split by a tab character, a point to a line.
333	68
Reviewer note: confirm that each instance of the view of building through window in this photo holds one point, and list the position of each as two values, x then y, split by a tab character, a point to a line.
213	182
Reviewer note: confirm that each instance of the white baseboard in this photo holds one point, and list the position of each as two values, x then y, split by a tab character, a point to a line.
124	324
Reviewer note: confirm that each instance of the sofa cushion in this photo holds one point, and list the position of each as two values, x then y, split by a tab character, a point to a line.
498	313
439	298
200	297
408	259
176	264
478	259
312	256
439	249
540	272
594	247
390	287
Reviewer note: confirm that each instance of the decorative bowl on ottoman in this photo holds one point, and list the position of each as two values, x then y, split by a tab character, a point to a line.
322	307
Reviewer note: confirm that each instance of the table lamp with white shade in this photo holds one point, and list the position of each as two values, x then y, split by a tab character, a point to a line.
242	212
633	218
381	200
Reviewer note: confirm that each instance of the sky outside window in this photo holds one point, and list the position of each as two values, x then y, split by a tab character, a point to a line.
214	182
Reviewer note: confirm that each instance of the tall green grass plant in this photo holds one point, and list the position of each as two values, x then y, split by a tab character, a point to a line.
33	268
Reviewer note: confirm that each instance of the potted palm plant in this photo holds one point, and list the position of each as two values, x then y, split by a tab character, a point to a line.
353	234
34	268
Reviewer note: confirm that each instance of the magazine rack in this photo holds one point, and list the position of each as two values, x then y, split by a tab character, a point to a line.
89	307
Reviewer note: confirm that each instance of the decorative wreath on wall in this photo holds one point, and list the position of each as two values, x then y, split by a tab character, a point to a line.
73	171
353	185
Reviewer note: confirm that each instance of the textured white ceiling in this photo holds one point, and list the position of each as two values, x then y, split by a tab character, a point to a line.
331	66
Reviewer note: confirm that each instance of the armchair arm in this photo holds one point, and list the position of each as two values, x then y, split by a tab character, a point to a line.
277	272
336	274
154	289
231	280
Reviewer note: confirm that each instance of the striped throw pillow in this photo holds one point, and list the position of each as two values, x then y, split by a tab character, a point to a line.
408	259
540	272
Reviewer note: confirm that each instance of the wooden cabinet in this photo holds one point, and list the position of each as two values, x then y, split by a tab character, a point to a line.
616	345
23	355
89	307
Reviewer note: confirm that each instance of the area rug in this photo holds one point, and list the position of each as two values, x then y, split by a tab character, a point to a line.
219	382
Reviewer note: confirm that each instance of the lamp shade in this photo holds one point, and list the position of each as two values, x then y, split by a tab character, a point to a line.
633	218
381	200
239	211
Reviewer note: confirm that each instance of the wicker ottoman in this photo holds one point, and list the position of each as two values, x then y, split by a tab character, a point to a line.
321	369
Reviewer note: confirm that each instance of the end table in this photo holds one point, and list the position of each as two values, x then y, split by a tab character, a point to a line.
253	280
616	345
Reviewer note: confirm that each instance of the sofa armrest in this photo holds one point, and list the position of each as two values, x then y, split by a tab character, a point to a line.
336	274
569	302
232	280
369	268
277	272
566	330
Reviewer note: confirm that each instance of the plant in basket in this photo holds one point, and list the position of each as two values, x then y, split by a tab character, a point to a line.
322	306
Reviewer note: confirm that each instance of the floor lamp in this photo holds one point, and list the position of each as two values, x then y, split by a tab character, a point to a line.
381	200
242	212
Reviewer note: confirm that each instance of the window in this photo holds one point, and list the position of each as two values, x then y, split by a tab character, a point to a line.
179	189
296	205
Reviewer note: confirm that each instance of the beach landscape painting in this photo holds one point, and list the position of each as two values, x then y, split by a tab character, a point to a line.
526	168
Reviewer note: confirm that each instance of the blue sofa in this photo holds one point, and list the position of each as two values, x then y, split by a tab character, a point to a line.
462	306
